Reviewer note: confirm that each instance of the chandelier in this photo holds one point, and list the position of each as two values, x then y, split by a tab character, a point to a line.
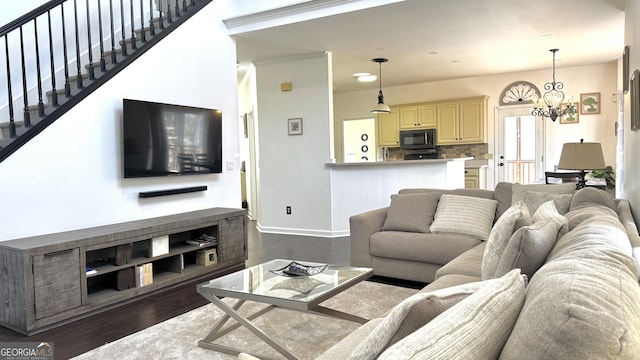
550	105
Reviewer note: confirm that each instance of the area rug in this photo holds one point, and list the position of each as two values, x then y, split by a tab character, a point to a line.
306	335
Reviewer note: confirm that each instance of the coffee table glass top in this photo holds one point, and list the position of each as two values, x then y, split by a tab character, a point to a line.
262	282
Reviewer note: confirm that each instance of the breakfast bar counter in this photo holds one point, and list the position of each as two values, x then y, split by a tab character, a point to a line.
363	186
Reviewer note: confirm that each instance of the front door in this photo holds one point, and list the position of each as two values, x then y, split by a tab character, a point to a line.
520	146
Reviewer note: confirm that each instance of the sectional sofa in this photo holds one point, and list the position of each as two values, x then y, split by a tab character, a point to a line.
522	272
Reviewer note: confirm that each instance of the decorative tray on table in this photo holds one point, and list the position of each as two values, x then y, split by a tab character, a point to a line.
295	269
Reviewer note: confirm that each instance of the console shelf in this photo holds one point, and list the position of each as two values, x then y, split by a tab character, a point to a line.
57	278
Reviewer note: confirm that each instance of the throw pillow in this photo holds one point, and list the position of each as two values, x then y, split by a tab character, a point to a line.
410	315
529	246
411	212
512	219
548	210
466	215
475	328
534	199
519	189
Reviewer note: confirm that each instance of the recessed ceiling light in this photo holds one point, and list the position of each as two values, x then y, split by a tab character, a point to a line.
455	61
367	78
433	53
360	74
546	36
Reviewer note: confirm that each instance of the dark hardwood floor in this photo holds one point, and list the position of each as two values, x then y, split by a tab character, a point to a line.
86	334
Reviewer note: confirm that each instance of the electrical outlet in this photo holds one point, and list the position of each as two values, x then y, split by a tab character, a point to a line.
288	210
229	165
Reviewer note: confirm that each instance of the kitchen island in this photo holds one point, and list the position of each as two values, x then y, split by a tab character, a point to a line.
364	186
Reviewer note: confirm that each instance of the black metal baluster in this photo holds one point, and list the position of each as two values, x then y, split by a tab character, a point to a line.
12	123
184	5
54	94
161	15
103	63
134	46
177	7
123	44
169	11
25	97
67	86
38	73
151	27
143	37
92	75
78	62
114	59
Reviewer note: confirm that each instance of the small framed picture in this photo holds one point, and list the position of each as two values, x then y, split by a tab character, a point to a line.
569	118
295	126
590	104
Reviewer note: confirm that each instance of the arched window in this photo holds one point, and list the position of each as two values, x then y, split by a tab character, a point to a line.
518	93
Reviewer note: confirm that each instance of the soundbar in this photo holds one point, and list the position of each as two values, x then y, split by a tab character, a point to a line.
148	194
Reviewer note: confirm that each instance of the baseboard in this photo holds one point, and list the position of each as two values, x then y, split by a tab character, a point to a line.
301	232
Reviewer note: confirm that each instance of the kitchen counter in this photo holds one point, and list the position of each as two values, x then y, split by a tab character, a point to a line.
364	186
398	162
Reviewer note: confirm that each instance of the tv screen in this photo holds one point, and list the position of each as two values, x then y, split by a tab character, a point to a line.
165	139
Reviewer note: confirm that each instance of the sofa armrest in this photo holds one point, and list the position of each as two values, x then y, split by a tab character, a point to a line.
362	226
627	219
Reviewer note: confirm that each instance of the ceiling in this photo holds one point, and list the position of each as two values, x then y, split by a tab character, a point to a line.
432	40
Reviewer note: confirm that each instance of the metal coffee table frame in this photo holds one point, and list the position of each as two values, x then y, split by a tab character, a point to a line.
236	286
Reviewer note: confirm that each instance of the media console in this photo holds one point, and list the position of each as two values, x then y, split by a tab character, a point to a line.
50	280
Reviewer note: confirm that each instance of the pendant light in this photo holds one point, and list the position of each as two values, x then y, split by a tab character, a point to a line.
380	106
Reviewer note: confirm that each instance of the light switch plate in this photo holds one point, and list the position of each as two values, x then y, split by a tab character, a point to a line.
229	165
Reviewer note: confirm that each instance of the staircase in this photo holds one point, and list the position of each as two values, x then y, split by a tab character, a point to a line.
83	44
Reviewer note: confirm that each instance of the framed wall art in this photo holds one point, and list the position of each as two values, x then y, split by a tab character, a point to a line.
635	100
625	69
569	119
295	126
590	104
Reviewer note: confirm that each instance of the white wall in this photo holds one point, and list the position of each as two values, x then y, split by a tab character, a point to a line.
70	176
632	138
585	79
292	171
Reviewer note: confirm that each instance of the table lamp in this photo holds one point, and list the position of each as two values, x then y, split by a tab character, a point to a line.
581	156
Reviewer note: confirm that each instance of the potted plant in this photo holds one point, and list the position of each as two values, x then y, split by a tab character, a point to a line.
607	174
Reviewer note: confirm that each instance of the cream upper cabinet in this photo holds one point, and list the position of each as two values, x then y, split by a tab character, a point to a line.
462	122
447	124
388	131
417	117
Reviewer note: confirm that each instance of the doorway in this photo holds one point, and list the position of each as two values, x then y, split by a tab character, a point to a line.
520	145
359	140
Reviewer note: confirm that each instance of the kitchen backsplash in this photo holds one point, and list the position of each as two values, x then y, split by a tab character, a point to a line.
477	151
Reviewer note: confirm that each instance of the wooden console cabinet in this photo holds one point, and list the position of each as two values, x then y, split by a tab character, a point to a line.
50	280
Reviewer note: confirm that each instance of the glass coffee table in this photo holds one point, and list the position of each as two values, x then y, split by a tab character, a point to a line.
280	284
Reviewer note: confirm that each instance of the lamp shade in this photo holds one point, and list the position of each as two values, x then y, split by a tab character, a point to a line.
581	156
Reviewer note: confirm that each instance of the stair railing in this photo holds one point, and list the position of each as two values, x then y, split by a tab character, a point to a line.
58	42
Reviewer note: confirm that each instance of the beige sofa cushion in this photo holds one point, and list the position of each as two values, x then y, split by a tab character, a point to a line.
592	196
411	212
512	219
529	246
475	328
533	200
583	307
425	248
476	214
467	263
518	189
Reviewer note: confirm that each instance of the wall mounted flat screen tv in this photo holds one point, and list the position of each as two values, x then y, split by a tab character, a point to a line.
165	139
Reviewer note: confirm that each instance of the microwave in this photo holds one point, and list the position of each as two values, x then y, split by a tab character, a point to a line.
418	139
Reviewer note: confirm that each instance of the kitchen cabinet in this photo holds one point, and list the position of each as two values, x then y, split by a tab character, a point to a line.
475	178
417	117
388	131
462	121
